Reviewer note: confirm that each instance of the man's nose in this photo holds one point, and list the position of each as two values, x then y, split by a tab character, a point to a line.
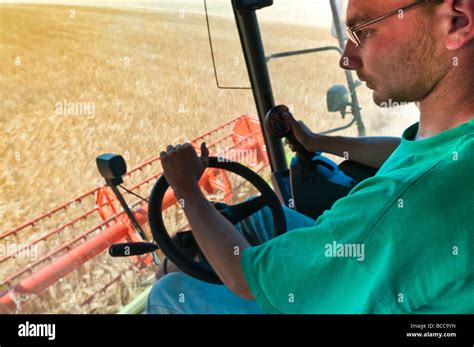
350	60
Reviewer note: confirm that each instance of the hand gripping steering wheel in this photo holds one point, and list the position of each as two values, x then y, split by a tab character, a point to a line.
233	213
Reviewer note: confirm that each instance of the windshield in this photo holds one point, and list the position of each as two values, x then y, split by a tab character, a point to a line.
85	78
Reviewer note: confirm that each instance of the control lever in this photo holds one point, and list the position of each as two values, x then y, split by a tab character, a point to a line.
112	167
280	127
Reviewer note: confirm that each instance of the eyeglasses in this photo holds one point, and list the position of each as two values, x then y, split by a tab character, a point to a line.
354	32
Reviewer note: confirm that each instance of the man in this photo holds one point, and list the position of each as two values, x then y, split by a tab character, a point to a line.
412	225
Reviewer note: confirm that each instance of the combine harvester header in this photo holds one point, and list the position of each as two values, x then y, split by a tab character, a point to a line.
83	228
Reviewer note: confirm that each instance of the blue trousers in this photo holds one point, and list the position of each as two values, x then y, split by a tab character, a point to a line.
178	293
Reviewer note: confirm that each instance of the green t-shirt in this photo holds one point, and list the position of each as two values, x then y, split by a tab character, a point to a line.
400	242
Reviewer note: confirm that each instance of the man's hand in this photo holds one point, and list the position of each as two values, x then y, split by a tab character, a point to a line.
182	167
369	151
215	235
302	133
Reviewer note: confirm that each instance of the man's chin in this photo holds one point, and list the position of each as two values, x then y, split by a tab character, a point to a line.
385	101
380	100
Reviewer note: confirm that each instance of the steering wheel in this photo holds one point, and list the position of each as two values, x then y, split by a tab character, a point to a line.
233	213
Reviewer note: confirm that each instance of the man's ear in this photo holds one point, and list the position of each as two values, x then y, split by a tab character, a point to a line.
459	15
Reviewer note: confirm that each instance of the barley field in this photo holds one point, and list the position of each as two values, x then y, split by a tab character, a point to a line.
139	80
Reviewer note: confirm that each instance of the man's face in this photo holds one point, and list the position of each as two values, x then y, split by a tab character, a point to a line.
399	57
